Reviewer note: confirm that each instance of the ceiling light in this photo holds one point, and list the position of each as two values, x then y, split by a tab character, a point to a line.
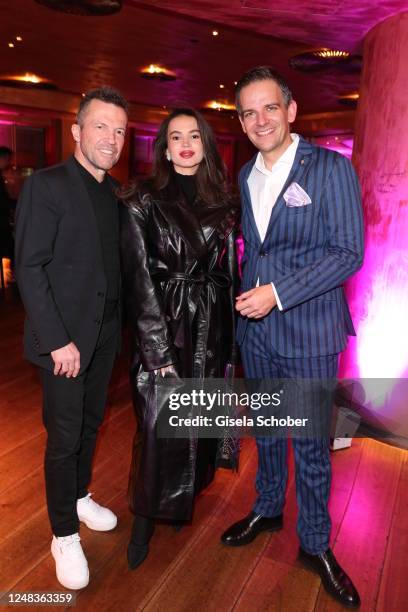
219	105
27	79
154	71
349	99
19	39
221	86
11	45
323	59
331	53
215	32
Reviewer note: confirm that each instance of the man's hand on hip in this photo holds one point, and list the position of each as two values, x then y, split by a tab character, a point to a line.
256	303
66	360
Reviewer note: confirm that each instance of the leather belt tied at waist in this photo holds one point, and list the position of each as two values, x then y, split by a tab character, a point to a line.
211	279
217	277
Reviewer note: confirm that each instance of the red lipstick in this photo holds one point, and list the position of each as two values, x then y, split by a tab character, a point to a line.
186	154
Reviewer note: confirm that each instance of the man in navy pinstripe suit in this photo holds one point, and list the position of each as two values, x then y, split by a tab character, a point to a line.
303	233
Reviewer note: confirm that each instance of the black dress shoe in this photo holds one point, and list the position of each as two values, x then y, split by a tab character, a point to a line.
247	529
334	578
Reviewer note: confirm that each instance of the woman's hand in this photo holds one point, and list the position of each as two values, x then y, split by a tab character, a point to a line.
167	369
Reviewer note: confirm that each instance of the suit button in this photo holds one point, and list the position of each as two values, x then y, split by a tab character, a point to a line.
100	294
210	354
97	321
262	253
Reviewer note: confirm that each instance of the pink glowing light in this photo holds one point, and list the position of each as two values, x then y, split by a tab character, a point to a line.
383	345
378	297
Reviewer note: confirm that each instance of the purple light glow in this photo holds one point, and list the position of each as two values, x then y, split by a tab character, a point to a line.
378	296
6	111
343	143
379	292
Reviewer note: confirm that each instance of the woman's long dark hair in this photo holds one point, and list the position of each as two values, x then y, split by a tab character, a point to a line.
212	187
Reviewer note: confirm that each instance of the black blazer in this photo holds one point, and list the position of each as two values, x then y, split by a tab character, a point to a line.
59	265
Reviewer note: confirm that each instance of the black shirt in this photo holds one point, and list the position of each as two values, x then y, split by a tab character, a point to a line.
107	216
188	185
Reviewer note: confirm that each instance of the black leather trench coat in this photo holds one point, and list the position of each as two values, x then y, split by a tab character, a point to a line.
180	278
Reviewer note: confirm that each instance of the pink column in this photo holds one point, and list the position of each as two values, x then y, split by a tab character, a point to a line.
378	294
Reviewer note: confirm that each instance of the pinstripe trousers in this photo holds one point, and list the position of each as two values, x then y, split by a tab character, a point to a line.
312	460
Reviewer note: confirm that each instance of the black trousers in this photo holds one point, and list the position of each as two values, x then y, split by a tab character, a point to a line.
73	410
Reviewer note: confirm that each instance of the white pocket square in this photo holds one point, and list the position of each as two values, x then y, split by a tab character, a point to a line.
296	196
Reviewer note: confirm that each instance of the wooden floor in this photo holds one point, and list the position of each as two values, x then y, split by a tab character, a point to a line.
190	570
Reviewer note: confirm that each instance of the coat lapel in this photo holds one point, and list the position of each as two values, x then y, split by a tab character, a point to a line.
179	215
248	210
300	165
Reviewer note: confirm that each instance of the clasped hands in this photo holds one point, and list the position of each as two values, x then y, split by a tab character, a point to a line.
257	302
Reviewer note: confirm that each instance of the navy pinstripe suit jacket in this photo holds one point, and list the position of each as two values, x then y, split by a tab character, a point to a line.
308	252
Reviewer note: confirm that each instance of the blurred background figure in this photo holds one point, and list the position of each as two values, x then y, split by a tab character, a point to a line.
7	209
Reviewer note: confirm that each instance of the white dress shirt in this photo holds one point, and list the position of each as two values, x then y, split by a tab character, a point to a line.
265	186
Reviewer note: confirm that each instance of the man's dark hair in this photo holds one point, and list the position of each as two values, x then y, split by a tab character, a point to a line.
262	73
5	151
104	94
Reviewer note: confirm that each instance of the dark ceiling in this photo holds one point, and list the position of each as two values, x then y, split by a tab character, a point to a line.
78	53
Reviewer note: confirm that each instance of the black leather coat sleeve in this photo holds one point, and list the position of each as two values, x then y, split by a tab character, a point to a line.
37	218
144	307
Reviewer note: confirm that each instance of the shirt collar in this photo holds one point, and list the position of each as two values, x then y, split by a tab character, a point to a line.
286	158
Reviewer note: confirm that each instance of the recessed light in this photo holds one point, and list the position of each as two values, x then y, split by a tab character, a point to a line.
154	71
27	79
235	82
349	99
19	39
219	105
222	86
215	32
323	59
11	45
331	53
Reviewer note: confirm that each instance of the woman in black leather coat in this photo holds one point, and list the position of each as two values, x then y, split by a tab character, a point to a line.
180	274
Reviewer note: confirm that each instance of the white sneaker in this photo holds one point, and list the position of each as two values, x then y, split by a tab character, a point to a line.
70	561
95	516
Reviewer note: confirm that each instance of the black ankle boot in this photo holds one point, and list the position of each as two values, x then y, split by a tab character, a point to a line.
138	548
